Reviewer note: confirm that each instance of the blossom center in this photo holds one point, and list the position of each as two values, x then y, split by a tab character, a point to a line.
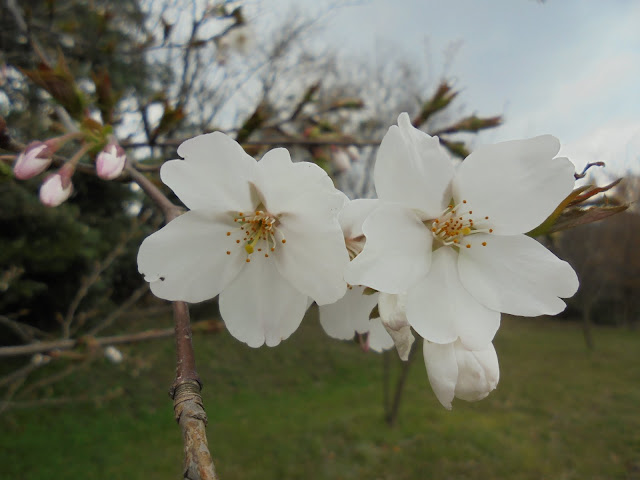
257	232
354	246
456	223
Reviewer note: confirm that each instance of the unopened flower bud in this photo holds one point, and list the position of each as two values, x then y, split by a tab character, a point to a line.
39	359
110	161
35	159
456	371
57	187
353	153
113	354
340	159
394	319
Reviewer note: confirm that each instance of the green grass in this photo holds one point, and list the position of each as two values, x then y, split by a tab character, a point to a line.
312	409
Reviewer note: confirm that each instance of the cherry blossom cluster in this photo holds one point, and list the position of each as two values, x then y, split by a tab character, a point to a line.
441	252
57	187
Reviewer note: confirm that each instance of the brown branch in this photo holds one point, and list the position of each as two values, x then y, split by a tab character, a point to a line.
185	391
69	343
61	375
61	400
23	371
128	303
187	402
169	210
392	413
190	415
26	332
186	365
283	141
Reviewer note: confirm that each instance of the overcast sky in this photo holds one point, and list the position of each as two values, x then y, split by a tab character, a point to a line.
566	67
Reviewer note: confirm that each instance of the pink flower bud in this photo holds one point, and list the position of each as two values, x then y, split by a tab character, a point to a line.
353	153
340	159
57	187
35	159
110	161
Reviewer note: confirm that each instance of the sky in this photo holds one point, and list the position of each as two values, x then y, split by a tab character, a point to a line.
566	67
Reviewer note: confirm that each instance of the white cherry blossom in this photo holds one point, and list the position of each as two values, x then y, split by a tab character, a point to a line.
456	371
350	314
453	240
263	235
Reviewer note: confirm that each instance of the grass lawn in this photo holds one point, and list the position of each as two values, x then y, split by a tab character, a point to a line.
312	409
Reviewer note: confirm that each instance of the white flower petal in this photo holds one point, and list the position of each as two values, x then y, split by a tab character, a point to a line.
287	187
314	257
379	339
441	310
186	260
348	315
442	369
516	275
259	306
413	169
478	372
397	252
215	173
517	184
354	214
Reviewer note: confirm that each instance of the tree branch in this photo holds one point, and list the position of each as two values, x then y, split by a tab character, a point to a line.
187	402
169	210
70	343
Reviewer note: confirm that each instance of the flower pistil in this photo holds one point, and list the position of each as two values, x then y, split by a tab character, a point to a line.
257	232
455	223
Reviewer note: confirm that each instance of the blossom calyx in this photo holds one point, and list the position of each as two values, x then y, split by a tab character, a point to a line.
456	371
34	160
57	187
110	161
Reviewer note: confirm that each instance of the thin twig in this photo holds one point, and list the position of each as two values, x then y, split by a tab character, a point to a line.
37	48
169	210
100	267
26	332
44	402
68	344
126	305
586	168
23	371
